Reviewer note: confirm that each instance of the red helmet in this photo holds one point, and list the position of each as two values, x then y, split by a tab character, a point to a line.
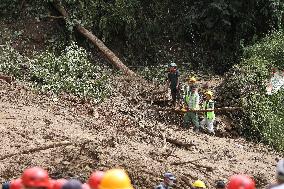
95	179
16	184
241	182
57	184
86	186
36	177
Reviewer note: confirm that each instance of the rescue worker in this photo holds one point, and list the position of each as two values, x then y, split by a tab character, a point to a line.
241	182
16	184
279	176
95	179
115	179
173	83
72	184
220	184
168	182
192	104
57	184
209	117
36	177
198	185
187	89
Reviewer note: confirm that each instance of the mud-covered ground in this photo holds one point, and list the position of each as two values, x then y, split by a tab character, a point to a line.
70	138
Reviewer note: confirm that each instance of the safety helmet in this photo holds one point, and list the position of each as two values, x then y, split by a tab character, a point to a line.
220	184
95	179
241	182
115	179
57	184
199	184
280	169
72	184
173	64
169	176
192	79
36	177
86	186
16	184
210	93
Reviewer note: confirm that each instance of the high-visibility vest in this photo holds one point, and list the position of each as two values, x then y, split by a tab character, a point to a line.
209	105
193	102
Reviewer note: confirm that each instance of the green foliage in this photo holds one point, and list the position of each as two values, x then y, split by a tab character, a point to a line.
138	29
245	85
71	71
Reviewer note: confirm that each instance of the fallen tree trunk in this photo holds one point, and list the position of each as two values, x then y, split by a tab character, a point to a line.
97	42
38	148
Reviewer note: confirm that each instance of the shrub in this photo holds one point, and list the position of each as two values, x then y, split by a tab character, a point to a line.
245	85
71	71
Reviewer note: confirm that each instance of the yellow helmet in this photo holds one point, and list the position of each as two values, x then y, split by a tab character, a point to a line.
210	93
199	184
192	79
115	179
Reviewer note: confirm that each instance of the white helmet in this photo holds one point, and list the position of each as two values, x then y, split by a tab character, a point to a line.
280	169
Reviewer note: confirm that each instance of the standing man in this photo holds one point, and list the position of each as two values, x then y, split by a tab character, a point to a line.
168	183
187	89
173	82
209	117
192	104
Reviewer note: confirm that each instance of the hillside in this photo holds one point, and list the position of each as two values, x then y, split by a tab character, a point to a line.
121	132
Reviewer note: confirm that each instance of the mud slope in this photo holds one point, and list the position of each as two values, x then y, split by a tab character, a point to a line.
71	138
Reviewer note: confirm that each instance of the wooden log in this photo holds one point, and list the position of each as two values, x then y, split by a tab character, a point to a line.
97	42
38	148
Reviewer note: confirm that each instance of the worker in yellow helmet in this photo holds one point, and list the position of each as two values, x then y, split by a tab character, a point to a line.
115	179
187	89
198	185
209	117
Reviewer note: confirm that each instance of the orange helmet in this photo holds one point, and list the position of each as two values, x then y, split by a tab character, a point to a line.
16	184
116	179
241	182
95	179
57	184
36	177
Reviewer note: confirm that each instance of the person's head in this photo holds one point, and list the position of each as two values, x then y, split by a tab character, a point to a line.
36	178
169	179
241	182
173	67
220	184
198	184
192	80
95	179
208	95
280	171
194	88
72	184
114	179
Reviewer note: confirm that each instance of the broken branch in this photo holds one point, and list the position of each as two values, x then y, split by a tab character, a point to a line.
39	148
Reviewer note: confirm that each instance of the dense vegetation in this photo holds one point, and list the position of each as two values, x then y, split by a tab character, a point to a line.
70	72
203	33
245	84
